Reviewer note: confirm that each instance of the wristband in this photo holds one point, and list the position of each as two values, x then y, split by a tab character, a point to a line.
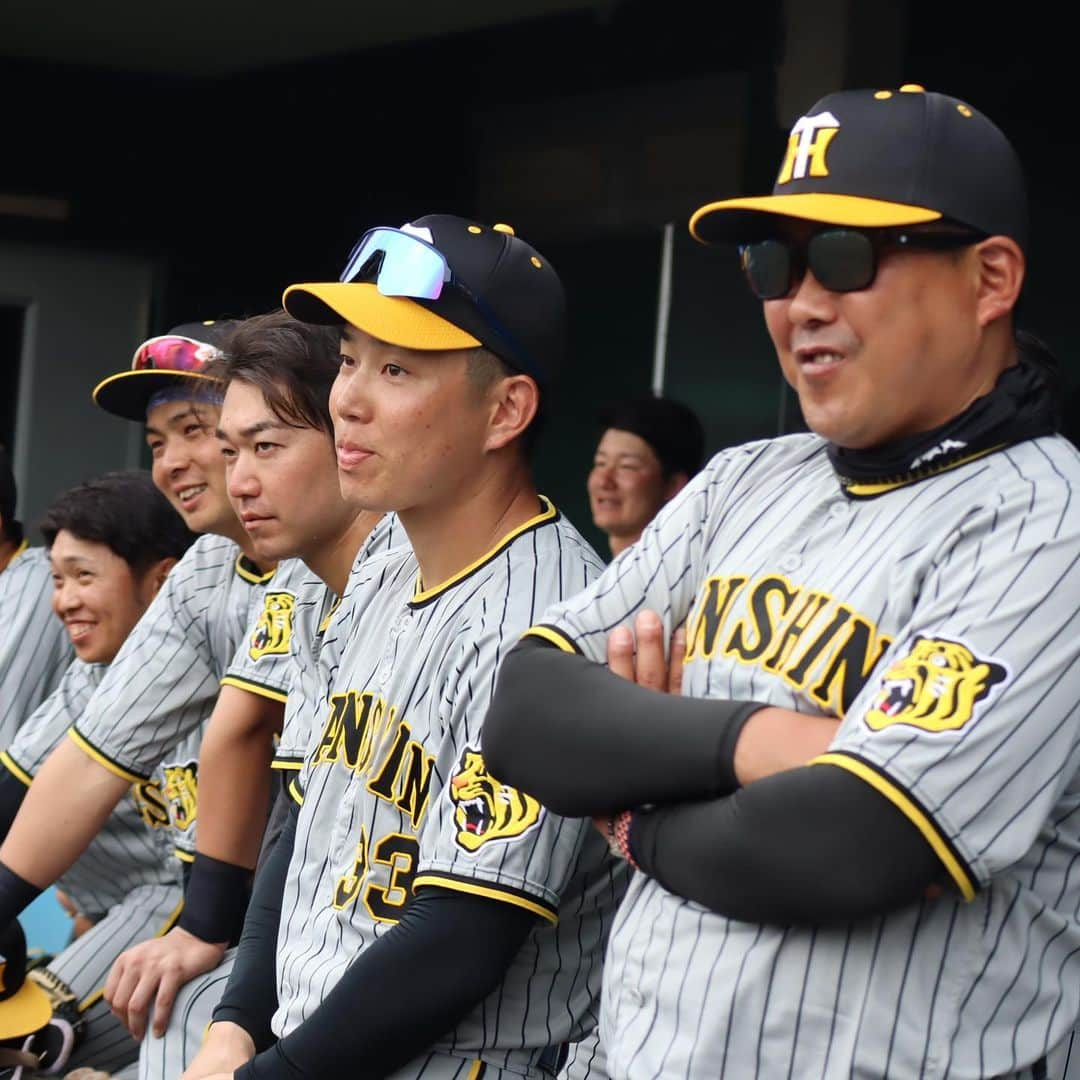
621	831
215	900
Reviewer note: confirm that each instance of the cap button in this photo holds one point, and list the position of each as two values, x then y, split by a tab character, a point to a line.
912	88
504	229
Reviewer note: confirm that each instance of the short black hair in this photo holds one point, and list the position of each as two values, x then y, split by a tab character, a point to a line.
10	529
293	364
124	511
672	429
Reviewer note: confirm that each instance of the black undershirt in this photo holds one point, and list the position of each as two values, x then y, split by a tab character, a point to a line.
463	944
813	844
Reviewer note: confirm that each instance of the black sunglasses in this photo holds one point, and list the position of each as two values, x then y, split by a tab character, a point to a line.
842	260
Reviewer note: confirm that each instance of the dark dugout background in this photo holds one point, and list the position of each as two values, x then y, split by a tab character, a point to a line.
586	131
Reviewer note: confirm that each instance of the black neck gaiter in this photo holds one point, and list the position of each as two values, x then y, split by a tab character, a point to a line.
1021	406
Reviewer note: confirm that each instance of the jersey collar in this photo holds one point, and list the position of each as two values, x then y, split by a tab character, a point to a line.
423	596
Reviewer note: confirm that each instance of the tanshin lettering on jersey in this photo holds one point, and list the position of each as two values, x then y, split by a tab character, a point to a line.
366	736
814	642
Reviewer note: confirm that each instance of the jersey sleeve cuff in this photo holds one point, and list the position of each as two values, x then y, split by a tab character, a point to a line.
489	890
287	764
913	810
15	769
274	693
553	636
104	760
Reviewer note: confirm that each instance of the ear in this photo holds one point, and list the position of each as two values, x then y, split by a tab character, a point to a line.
514	403
1001	275
155	576
675	483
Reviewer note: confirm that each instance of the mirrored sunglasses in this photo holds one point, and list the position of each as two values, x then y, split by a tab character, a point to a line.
842	260
171	352
399	264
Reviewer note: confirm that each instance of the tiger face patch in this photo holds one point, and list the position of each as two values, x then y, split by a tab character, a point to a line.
181	791
937	686
486	810
273	631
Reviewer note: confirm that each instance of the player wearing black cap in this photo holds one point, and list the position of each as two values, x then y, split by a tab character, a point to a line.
468	920
856	829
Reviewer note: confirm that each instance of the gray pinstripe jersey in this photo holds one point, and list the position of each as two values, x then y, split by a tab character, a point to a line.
34	646
125	854
216	619
396	796
319	627
940	621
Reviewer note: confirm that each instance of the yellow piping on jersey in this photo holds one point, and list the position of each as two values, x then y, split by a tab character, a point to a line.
20	774
296	793
282	763
170	922
488	892
255	576
21	549
866	490
551	635
255	688
477	1070
549	513
183	856
913	813
325	624
101	759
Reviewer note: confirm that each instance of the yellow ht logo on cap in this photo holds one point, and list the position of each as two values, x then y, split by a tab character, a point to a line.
809	139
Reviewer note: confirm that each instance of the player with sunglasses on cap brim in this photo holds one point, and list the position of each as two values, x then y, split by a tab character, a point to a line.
856	825
418	917
190	654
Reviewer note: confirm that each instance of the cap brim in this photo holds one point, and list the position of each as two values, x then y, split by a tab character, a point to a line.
393	319
736	220
27	1011
127	394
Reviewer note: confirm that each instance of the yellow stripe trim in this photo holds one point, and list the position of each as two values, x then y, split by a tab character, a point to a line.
102	760
14	769
490	892
256	579
323	626
170	922
903	803
286	765
296	793
183	856
476	1071
547	634
255	688
18	551
892	485
547	514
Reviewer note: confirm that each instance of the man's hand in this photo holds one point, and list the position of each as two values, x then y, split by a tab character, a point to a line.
226	1047
646	665
153	972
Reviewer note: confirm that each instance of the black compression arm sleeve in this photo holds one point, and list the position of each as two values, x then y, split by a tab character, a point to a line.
250	997
811	845
382	1014
12	793
586	742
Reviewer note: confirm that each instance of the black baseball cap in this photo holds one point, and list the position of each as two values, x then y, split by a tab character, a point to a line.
672	429
881	158
498	292
175	360
24	1006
